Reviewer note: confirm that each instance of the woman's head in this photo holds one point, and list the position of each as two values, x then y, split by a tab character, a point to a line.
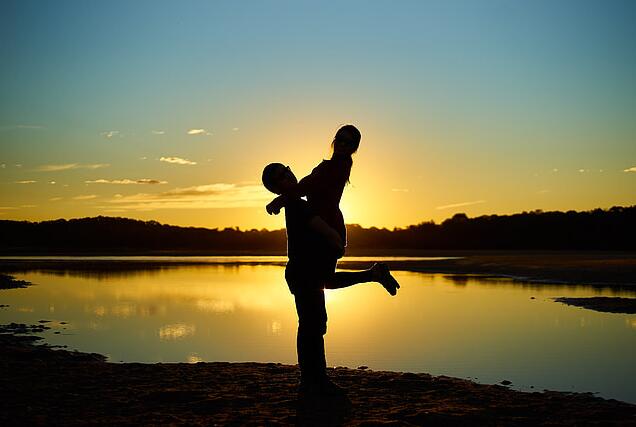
347	140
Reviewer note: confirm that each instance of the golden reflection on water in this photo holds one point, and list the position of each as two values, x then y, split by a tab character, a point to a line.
454	325
176	331
194	358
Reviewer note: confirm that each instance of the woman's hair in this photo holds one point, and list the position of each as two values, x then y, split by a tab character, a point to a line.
348	134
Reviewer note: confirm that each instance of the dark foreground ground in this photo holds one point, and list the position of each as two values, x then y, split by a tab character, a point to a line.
42	386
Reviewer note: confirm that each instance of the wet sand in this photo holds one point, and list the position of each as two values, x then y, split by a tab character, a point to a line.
602	304
10	282
44	386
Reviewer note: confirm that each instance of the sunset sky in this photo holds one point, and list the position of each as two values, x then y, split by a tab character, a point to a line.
170	110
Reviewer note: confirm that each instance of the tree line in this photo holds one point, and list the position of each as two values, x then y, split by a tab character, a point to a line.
598	229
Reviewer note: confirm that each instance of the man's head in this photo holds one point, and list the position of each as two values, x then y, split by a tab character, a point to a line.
278	178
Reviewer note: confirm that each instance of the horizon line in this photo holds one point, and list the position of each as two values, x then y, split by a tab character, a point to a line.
236	227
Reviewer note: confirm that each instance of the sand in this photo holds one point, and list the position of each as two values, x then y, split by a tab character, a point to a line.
44	386
10	282
602	304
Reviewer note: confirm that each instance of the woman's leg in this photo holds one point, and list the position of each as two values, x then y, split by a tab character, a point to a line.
378	273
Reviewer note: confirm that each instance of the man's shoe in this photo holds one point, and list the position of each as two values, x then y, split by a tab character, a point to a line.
322	387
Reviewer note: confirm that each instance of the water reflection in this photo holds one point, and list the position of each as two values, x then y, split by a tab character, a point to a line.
176	331
458	325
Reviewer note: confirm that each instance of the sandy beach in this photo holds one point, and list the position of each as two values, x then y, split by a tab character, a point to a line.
44	386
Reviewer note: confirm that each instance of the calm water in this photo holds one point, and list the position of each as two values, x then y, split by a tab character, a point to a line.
470	327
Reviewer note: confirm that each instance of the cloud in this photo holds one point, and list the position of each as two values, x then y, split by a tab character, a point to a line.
543	191
22	126
198	132
28	206
69	166
111	133
55	199
26	182
177	160
158	132
400	190
29	127
209	196
458	205
581	170
7	208
632	169
235	129
87	197
126	181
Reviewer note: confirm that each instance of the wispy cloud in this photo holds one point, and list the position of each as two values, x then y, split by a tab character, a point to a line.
177	160
69	166
55	199
111	133
29	181
459	205
158	132
126	181
22	126
400	190
198	132
7	208
632	169
235	129
86	197
29	127
209	196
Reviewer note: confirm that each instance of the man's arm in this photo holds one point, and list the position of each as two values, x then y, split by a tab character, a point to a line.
295	191
331	236
276	205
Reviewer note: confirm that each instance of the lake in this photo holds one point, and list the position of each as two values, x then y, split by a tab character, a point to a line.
240	309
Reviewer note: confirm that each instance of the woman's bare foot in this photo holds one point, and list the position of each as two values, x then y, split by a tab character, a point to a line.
382	275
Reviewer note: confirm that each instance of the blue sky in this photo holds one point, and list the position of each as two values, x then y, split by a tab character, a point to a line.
497	106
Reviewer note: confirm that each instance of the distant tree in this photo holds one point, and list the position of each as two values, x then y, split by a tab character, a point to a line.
612	229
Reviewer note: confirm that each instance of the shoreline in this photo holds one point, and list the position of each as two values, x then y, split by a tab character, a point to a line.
600	269
40	385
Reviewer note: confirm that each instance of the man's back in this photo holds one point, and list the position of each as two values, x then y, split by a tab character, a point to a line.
308	254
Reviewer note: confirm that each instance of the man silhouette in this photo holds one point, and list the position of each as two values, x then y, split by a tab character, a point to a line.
313	248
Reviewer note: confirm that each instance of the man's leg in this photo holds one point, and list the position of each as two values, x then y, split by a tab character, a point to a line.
312	325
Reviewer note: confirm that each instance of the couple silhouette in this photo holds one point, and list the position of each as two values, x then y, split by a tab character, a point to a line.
316	239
